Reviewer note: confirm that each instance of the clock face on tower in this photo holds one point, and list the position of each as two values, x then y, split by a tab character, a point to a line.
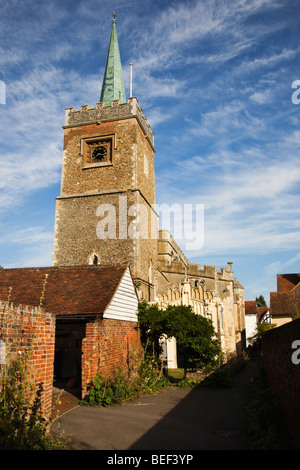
99	154
97	151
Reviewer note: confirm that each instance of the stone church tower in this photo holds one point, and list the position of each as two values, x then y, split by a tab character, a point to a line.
105	211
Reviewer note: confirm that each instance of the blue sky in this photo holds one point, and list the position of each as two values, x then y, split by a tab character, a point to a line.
214	79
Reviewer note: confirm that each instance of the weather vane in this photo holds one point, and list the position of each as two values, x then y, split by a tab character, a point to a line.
114	16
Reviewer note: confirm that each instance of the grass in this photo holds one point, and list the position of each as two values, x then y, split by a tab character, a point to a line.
175	375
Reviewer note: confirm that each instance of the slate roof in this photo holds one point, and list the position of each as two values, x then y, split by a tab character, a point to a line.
70	290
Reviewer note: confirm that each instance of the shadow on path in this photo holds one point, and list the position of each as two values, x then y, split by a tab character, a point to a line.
174	419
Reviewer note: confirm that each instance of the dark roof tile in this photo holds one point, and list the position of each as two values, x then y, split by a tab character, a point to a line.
285	303
70	290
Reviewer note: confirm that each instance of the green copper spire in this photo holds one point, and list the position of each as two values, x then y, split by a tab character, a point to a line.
113	83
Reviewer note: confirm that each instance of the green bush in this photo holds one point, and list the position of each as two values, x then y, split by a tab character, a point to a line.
116	389
194	333
184	383
150	376
22	425
107	391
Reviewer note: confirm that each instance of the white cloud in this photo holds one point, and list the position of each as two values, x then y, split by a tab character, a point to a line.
31	136
281	267
271	59
261	97
156	116
251	199
27	236
171	36
213	65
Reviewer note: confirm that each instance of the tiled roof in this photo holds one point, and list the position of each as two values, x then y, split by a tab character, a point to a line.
70	290
261	311
297	287
287	282
250	307
284	303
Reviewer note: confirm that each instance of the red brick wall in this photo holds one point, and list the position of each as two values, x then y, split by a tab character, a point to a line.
28	328
108	344
283	374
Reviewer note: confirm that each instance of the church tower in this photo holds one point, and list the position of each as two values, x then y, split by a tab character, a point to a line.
105	211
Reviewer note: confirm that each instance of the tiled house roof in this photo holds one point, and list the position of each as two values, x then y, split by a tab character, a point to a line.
287	282
297	287
252	309
261	311
286	301
70	290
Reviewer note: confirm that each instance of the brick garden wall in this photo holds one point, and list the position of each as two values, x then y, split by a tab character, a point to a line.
24	328
284	375
108	344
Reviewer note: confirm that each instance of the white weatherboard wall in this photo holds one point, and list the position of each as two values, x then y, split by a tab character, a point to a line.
250	326
124	303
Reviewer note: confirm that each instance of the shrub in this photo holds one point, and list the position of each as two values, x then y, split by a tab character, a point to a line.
115	389
194	333
105	391
22	425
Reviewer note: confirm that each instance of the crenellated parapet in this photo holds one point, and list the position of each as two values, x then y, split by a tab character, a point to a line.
225	273
103	113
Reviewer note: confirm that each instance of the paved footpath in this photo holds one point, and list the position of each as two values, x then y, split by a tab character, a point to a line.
174	419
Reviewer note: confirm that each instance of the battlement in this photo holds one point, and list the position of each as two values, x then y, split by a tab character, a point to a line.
172	260
114	112
225	274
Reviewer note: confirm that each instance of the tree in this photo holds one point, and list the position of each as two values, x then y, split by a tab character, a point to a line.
260	301
255	341
153	325
194	333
